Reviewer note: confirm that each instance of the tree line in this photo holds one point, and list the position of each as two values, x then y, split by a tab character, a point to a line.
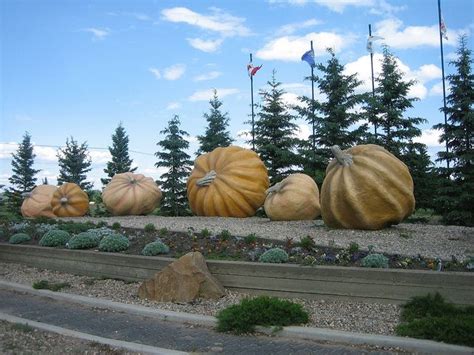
342	118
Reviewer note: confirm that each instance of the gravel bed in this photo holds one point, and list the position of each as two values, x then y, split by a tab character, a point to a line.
433	241
374	318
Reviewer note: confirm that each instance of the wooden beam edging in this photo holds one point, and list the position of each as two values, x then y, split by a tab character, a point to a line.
289	280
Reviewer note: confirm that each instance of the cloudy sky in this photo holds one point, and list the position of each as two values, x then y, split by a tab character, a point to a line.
78	68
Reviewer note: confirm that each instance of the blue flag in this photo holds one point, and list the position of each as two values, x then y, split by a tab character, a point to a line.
309	58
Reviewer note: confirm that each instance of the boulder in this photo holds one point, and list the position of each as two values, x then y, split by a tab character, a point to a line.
184	280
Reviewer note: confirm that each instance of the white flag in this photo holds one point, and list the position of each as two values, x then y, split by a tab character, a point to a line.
370	41
443	29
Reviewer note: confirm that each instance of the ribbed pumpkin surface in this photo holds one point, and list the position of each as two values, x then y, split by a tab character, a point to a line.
131	194
366	187
38	203
69	201
294	198
227	182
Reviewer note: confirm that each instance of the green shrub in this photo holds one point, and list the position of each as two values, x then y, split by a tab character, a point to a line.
101	224
53	286
262	310
307	243
55	238
150	227
275	255
155	248
20	227
75	228
353	248
205	233
375	260
116	226
114	243
19	238
163	231
42	228
431	317
225	235
101	232
84	240
250	239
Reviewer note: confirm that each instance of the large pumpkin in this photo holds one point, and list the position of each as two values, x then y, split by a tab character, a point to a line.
69	201
366	187
227	182
37	202
294	198
131	194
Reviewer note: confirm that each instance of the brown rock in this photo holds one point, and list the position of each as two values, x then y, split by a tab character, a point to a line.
184	280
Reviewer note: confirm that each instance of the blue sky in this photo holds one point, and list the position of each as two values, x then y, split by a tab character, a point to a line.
78	68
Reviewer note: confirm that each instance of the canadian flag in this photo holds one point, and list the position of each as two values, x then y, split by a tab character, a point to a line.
252	70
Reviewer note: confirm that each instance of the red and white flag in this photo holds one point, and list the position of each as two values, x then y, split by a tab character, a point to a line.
443	29
252	70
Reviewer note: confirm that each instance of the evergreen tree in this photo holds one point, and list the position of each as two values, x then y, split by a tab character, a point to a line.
74	162
172	155
121	162
456	199
275	132
23	178
216	134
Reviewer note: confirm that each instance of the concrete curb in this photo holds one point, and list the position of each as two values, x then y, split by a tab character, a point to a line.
143	349
307	333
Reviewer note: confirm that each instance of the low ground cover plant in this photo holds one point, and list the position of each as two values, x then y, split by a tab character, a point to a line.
114	243
84	240
431	317
52	286
19	238
375	260
262	310
55	238
274	255
155	248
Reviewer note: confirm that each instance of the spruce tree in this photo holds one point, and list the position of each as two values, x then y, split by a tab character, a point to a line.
23	178
172	156
74	162
456	198
275	133
216	134
121	162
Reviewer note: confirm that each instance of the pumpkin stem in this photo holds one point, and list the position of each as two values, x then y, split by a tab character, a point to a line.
342	158
63	200
207	179
275	188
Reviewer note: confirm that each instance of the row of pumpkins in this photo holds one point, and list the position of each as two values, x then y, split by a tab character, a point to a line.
366	187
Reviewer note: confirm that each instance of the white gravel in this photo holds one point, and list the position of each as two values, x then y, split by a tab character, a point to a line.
374	318
434	241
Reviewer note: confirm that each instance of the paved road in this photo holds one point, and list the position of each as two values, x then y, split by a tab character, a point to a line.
139	329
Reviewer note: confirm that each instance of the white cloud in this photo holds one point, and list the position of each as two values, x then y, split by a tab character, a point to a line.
411	36
99	156
173	105
155	72
98	33
219	21
437	89
140	16
45	153
290	48
428	72
293	27
174	72
206	95
207	46
430	137
290	99
378	7
208	76
6	149
304	131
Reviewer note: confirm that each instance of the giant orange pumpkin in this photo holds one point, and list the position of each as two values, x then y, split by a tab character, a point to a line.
366	187
227	182
37	202
131	194
69	200
294	198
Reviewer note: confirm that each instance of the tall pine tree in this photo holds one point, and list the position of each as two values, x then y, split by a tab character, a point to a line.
121	162
456	199
74	163
216	134
275	133
172	156
23	178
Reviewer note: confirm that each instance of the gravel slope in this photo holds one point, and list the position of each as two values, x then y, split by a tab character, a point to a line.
435	241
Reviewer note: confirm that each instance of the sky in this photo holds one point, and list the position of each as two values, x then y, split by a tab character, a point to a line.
79	68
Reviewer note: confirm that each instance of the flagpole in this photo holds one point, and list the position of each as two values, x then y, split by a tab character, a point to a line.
253	114
444	85
312	117
373	80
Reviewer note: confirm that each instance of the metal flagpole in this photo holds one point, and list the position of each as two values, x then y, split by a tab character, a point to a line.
312	117
253	114
444	86
373	82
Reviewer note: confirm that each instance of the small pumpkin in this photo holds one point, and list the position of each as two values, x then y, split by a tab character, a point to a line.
69	200
366	187
131	194
294	198
37	202
227	182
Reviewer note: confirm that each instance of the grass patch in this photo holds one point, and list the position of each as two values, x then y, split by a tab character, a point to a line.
52	286
21	327
431	317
